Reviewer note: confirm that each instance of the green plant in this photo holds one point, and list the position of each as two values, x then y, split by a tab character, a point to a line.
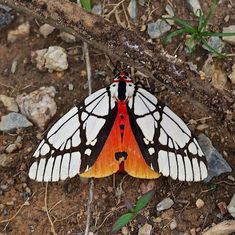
198	34
86	4
140	204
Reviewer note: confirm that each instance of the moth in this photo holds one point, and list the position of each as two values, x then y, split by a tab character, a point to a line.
121	125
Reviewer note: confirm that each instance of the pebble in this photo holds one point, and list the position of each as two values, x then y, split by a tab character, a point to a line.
9	103
37	57
67	37
216	43
194	5
5	16
12	121
145	230
97	9
165	204
223	208
193	231
125	231
21	31
56	59
11	148
200	203
39	105
46	30
169	10
70	87
158	29
232	75
173	224
230	177
231	206
132	9
216	163
14	66
8	160
142	2
229	39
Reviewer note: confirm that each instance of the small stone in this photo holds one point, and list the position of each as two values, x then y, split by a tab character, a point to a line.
56	59
70	87
12	121
158	29
226	18
125	231
230	177
229	39
9	103
39	105
216	163
195	6
22	31
67	37
200	203
46	30
165	204
132	9
14	66
216	43
145	230
11	148
193	231
37	57
142	2
232	75
97	9
231	206
173	224
223	208
157	220
169	10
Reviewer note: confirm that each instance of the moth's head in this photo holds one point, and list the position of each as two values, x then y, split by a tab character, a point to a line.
122	77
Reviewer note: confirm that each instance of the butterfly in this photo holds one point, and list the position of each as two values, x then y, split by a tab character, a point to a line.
121	125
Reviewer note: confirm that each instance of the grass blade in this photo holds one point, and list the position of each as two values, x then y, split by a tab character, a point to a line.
184	23
122	221
207	33
173	34
86	4
143	201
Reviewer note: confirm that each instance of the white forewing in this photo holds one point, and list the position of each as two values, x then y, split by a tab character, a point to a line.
73	136
177	152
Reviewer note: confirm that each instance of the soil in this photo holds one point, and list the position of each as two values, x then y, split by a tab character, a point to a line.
67	201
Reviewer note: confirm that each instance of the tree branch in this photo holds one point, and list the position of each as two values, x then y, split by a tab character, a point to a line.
127	46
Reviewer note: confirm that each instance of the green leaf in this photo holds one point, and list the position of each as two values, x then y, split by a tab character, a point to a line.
86	4
189	28
122	221
143	201
207	33
173	34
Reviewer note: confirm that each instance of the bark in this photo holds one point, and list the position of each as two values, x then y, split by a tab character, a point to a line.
130	48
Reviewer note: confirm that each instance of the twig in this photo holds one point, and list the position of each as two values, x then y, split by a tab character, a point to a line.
48	213
88	65
90	200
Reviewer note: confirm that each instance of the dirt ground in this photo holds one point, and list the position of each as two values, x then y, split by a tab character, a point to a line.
67	201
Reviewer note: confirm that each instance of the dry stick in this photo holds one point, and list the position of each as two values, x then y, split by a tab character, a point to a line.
48	213
90	200
126	45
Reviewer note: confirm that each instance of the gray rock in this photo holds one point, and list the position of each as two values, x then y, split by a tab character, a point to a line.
229	39
9	103
173	224
158	28
231	206
132	9
216	163
97	9
46	30
216	43
165	204
12	121
145	230
194	5
39	105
